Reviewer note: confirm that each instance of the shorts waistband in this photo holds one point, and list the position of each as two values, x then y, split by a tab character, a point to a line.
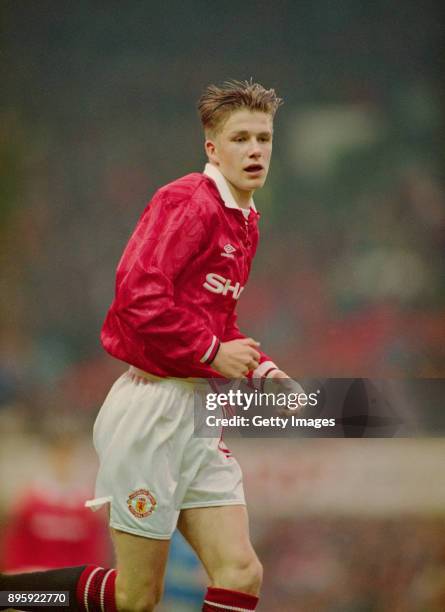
185	381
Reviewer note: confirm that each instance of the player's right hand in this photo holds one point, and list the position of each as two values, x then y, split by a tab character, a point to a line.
236	358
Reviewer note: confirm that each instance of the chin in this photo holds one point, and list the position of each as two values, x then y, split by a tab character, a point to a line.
256	184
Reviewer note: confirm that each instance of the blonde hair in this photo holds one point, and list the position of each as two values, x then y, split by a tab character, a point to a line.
216	103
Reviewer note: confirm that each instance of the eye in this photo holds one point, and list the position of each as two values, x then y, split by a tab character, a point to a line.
240	139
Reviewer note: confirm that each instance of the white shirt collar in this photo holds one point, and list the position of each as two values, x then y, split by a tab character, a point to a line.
226	195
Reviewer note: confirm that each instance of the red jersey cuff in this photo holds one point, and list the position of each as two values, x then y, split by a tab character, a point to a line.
210	354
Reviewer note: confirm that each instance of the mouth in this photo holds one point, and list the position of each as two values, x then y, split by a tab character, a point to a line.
254	168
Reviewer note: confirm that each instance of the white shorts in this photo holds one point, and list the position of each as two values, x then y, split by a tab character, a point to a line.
151	465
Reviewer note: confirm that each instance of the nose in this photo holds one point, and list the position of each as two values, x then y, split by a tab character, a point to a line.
254	149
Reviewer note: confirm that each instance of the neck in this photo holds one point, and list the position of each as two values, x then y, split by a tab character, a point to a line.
242	198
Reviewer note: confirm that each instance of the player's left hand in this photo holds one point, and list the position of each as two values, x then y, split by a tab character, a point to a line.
281	382
278	374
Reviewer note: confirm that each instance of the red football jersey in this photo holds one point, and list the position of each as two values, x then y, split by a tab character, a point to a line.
180	277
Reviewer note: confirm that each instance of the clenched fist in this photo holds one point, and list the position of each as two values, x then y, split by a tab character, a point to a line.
236	358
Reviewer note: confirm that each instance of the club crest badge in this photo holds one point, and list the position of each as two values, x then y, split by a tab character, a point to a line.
141	503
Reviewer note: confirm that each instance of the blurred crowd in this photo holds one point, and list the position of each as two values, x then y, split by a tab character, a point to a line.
355	565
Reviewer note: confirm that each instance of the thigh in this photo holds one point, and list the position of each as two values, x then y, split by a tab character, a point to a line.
219	535
141	563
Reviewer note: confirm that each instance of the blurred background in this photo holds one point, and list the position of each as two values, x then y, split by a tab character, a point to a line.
97	111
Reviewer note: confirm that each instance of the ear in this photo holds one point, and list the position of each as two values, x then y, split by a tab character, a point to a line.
210	149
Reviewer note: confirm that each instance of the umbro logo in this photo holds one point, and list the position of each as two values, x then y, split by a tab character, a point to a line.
228	251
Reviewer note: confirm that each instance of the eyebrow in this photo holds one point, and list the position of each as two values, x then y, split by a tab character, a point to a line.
246	133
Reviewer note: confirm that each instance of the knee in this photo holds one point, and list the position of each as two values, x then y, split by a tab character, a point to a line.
245	575
137	599
253	577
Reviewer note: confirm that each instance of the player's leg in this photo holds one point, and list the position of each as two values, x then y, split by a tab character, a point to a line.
141	566
220	537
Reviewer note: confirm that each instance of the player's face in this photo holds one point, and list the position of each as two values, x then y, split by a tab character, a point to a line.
242	150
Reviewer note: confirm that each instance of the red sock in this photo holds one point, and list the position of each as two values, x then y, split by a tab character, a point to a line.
95	590
218	600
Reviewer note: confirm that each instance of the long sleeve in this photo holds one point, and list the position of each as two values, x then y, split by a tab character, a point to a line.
167	238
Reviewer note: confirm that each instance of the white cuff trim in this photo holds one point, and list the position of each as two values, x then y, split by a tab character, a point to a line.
209	350
260	371
226	607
